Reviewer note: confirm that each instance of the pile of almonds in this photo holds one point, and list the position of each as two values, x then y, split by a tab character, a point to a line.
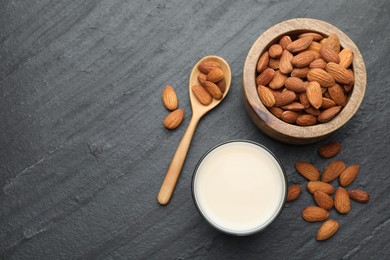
305	81
171	102
211	83
322	190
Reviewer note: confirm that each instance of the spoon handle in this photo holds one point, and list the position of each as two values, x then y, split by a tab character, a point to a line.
174	170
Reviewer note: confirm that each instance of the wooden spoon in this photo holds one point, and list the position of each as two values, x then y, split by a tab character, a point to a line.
198	111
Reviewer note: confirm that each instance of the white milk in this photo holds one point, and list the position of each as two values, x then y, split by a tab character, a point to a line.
239	187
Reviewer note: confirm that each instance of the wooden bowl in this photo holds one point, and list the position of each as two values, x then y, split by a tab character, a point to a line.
273	126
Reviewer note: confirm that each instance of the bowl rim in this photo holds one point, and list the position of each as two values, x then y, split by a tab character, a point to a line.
249	75
256	230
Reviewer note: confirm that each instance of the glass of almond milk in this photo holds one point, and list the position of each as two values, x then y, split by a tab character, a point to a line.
239	187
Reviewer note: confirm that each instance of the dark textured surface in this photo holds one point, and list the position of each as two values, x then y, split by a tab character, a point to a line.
83	151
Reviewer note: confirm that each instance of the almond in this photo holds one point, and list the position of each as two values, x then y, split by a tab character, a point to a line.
314	94
316	36
316	54
348	88
295	84
275	51
314	186
300	72
303	99
333	42
329	55
293	193
294	106
213	89
339	73
265	77
300	44
201	95
273	64
174	119
266	96
329	150
333	171
202	78
321	76
222	85
315	46
284	41
289	116
302	59
285	65
327	103
327	229
329	114
359	196
342	202
314	214
278	80
206	66
323	200
307	170
312	111
337	94
169	98
349	175
215	75
346	58
284	98
276	111
319	64
262	64
306	120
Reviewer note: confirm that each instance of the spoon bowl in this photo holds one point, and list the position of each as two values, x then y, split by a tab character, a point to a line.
198	111
197	107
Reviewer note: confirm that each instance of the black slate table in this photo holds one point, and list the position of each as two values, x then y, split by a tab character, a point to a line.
83	150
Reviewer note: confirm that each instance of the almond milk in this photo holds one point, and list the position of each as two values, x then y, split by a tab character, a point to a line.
239	187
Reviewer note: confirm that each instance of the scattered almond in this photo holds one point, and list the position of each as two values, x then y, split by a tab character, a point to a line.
327	229
169	98
314	186
333	171
329	150
323	200
359	196
174	119
314	214
307	170
293	192
341	201
349	175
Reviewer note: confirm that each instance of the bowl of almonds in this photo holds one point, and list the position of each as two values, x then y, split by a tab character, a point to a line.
302	80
